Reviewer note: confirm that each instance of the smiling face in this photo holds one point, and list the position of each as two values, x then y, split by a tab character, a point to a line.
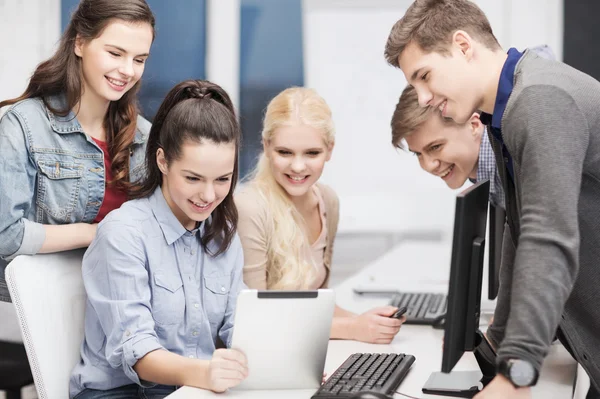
113	62
297	156
448	150
450	83
196	183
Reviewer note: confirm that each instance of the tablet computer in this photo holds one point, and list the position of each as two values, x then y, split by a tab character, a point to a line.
284	335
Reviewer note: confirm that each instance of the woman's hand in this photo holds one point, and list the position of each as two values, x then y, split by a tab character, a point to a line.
227	368
376	326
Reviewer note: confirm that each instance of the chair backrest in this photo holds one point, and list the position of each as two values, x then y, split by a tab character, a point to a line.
48	294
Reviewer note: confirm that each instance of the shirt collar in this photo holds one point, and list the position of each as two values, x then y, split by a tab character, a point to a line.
169	224
487	161
505	86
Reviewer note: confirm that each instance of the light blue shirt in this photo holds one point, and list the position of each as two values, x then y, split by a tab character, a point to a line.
150	285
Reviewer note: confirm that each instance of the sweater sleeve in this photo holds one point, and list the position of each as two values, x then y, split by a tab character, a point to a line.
548	136
252	232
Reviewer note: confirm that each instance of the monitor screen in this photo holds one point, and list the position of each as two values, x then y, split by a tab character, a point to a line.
466	272
497	219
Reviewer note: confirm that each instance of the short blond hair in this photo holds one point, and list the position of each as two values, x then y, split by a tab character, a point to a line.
431	23
410	116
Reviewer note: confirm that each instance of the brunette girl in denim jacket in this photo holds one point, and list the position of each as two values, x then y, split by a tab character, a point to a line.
73	143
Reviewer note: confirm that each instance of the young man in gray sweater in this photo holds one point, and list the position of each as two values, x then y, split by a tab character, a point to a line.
544	124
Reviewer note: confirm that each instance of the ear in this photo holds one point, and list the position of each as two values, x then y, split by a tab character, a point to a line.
78	46
161	161
265	144
329	151
462	41
476	126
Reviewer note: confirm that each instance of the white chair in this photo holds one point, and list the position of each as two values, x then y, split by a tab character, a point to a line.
582	384
48	293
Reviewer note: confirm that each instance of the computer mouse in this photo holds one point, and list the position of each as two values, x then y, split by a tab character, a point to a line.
370	395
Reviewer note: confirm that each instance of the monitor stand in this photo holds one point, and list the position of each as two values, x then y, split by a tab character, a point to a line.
465	384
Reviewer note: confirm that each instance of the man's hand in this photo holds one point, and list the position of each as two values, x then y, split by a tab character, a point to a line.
376	326
502	388
227	368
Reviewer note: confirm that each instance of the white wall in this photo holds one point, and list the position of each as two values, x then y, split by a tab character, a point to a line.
29	31
380	188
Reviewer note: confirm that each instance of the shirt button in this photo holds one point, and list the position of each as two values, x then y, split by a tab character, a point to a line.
127	333
222	289
191	356
196	305
195	333
191	252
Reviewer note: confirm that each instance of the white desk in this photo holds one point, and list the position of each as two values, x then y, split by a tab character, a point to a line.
410	266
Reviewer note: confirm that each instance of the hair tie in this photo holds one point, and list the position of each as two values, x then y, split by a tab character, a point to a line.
197	92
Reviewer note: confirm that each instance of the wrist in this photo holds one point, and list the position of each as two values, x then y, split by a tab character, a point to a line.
344	327
521	373
197	374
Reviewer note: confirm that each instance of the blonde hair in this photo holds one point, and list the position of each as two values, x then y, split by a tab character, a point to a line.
287	266
431	23
409	116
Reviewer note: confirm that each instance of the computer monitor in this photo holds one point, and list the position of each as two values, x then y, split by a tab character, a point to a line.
464	293
497	219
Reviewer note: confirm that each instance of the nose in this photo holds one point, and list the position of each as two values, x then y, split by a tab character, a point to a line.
430	164
425	96
126	68
208	194
298	164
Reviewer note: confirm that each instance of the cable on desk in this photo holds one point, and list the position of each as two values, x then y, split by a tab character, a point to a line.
405	395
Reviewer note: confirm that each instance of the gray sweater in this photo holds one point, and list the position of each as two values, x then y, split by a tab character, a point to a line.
550	274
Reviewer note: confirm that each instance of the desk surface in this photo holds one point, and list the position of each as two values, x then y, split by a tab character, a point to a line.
412	266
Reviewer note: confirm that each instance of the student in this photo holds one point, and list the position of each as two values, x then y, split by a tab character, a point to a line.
288	220
73	142
441	144
454	152
542	118
164	271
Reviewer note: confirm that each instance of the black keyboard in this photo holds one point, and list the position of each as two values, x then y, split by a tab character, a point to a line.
381	372
422	307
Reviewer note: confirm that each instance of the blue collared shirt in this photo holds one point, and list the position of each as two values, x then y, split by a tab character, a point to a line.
487	170
150	285
505	86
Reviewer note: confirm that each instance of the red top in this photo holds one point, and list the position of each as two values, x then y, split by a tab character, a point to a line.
113	198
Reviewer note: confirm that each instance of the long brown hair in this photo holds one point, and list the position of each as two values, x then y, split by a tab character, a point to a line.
61	74
194	111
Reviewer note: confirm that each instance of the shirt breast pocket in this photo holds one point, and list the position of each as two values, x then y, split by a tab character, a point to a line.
168	299
216	297
58	189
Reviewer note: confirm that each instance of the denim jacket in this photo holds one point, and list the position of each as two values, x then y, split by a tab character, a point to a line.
51	172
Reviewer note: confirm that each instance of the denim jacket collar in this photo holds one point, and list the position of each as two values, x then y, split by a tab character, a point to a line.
61	124
69	122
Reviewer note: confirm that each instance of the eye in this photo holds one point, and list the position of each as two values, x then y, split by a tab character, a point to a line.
425	76
283	152
223	179
435	147
313	153
192	178
140	61
114	54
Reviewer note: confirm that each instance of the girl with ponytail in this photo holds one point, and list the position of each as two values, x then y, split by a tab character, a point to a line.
164	271
288	220
73	143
